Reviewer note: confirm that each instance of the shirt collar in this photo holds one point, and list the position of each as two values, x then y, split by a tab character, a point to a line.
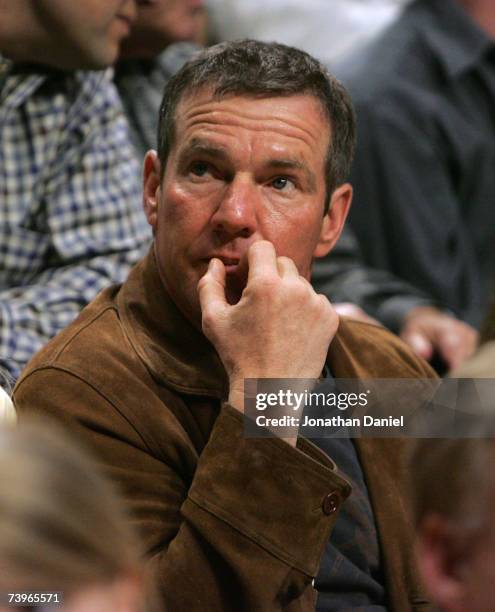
457	40
18	82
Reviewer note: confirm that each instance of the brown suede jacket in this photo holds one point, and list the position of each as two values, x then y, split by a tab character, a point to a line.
230	523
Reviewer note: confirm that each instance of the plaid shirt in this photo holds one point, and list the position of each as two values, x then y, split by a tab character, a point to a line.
70	215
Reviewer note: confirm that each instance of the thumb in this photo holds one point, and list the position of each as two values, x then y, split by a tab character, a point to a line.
419	344
211	288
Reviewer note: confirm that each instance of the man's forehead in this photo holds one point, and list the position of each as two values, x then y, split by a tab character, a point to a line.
294	119
208	98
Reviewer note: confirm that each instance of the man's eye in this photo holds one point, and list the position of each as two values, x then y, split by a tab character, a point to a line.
200	168
282	183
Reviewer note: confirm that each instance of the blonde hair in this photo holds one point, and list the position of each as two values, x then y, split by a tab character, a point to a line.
62	527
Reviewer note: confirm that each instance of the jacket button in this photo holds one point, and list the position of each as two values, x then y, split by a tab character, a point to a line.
331	503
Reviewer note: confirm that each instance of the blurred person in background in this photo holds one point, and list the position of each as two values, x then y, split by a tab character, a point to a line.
160	42
70	220
62	527
149	57
482	363
423	174
453	495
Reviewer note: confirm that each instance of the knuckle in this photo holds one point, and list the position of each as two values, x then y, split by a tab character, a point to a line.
324	304
297	290
265	285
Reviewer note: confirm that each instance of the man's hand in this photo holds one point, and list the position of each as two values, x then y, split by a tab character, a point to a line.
428	330
280	328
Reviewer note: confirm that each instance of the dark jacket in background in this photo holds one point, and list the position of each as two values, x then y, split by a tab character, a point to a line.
424	179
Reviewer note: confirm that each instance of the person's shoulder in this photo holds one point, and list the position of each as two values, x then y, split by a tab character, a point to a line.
75	101
86	344
369	351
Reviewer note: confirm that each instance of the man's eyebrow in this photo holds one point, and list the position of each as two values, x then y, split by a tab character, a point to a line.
294	164
197	146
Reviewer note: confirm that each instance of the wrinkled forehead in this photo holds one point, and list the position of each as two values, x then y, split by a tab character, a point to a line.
209	94
296	124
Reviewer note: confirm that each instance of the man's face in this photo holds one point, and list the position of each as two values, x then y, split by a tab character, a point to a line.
242	169
83	33
160	23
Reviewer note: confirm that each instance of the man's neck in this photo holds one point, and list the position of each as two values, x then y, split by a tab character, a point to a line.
483	13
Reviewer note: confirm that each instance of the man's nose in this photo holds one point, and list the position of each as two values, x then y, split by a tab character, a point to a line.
236	214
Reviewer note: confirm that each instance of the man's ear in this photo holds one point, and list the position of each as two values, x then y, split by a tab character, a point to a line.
441	559
151	187
333	221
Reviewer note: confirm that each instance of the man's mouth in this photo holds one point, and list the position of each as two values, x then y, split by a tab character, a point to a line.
236	271
231	263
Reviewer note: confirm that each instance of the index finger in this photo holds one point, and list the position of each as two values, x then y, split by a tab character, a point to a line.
262	260
211	287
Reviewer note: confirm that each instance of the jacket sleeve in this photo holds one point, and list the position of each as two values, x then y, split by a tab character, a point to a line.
236	525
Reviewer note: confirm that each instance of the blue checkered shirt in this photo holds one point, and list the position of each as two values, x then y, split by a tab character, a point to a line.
71	221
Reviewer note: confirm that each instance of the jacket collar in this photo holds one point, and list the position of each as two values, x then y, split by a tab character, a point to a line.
173	350
454	36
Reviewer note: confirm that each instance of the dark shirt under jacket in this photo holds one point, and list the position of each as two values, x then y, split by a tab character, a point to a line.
350	575
424	174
